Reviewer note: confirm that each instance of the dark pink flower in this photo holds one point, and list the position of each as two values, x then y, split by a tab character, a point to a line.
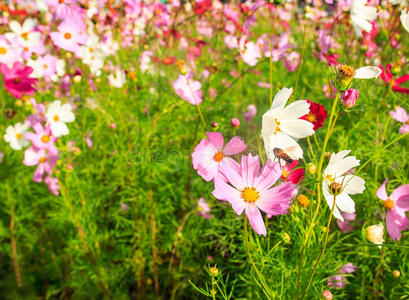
17	80
387	76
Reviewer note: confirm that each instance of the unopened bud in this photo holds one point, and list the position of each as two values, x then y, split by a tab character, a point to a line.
327	295
286	237
349	97
396	273
214	271
215	124
235	122
374	234
312	168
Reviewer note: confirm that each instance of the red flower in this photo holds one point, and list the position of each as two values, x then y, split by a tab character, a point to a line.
290	173
387	76
17	80
201	7
317	114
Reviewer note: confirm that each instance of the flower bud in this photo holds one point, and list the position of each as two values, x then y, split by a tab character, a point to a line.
374	234
215	125
396	273
286	237
312	168
235	122
214	271
349	97
327	295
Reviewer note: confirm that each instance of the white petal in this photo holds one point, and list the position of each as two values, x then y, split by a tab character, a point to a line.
295	110
330	201
297	128
345	203
353	184
284	142
367	72
281	98
15	27
404	18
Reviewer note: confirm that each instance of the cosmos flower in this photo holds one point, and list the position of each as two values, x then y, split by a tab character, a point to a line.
281	125
70	35
57	116
339	280
52	185
250	51
44	161
250	113
361	15
374	234
24	34
337	186
387	76
209	154
17	80
188	89
317	115
118	79
15	136
345	226
345	74
293	174
250	190
203	209
397	204
9	52
42	138
404	18
402	116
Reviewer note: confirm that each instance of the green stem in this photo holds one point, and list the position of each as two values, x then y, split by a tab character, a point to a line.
260	151
301	60
322	251
330	125
201	116
260	277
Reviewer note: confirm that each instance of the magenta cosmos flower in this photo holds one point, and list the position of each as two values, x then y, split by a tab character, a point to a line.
209	154
397	204
17	80
251	190
71	34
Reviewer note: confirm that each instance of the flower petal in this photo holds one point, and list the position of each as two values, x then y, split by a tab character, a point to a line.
381	192
216	138
255	219
367	72
234	146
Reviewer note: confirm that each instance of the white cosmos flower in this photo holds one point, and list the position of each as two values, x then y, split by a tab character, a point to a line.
361	15
24	34
404	18
57	115
334	182
281	125
15	136
118	79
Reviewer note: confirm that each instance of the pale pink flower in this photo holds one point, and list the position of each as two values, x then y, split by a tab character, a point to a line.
188	90
42	138
203	209
397	205
44	161
250	113
250	52
291	61
70	35
52	185
209	154
402	116
251	190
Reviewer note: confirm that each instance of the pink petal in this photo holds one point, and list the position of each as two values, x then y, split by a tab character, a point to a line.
255	219
276	200
401	196
395	223
402	79
381	192
399	115
232	176
234	146
404	129
250	166
225	192
216	138
269	174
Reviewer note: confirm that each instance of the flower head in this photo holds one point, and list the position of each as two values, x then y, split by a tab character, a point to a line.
70	35
282	125
15	136
209	154
17	80
250	190
388	76
338	187
344	75
317	115
57	115
361	15
402	116
397	204
203	209
188	89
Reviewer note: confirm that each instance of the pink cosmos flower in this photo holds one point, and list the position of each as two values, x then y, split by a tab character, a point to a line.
345	226
188	90
250	52
17	80
397	204
401	115
203	209
293	174
209	154
71	34
52	185
42	138
250	113
62	7
251	190
291	61
39	157
338	280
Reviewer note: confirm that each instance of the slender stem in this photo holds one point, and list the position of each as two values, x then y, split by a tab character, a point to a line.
260	151
322	251
307	235
378	270
260	277
311	149
271	56
301	60
201	116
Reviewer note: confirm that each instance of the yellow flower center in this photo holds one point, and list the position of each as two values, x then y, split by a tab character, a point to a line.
24	35
249	194
389	204
218	156
19	136
303	200
67	35
45	66
42	159
330	178
311	118
3	50
45	139
285	174
277	129
346	70
56	118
